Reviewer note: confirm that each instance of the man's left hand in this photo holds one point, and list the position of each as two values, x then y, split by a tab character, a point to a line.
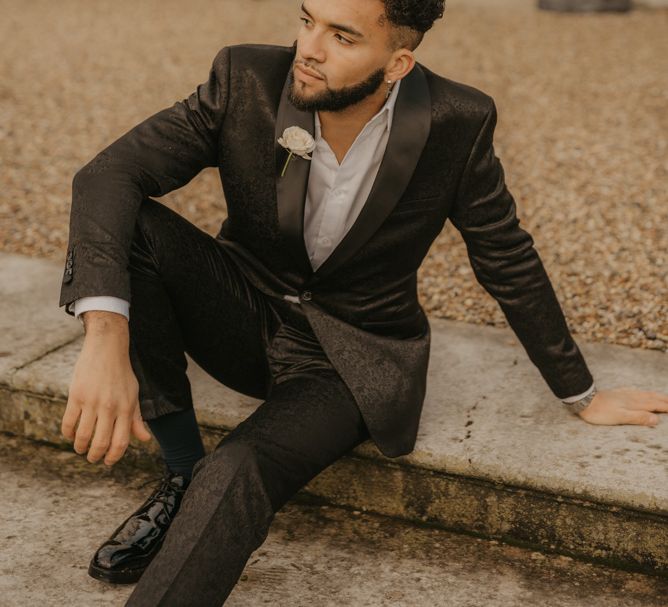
625	406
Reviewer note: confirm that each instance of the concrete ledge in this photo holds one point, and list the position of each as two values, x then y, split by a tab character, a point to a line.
497	457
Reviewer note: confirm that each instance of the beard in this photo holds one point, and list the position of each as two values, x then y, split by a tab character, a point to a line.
335	100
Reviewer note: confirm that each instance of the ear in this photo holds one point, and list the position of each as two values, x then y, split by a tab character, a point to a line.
399	65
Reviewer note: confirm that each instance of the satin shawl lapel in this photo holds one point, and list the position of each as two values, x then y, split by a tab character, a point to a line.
411	125
291	188
410	129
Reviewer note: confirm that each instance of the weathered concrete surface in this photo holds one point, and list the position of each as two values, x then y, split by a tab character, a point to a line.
504	427
489	414
58	509
30	322
497	456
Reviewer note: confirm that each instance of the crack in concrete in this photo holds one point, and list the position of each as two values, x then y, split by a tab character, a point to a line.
13	372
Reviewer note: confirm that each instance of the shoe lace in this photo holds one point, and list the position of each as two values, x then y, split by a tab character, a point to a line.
162	492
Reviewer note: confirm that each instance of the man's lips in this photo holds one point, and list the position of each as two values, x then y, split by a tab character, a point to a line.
307	72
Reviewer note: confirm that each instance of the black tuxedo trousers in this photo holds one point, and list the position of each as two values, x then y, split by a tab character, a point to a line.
189	295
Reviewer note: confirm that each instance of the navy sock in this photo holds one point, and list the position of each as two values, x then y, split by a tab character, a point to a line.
179	439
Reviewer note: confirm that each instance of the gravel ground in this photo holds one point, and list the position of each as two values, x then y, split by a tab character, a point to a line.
582	134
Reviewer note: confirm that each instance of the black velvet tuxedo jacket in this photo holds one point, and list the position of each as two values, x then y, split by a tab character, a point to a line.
362	302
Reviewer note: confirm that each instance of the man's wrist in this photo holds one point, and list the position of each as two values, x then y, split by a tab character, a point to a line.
102	322
577	406
572	399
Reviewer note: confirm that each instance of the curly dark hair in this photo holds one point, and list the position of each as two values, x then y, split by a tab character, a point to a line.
411	19
416	14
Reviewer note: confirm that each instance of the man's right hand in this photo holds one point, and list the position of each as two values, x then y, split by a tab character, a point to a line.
103	394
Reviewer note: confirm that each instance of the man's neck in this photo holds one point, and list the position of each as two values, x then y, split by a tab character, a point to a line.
344	126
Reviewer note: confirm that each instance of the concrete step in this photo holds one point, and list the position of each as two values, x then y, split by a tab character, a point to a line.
497	455
58	509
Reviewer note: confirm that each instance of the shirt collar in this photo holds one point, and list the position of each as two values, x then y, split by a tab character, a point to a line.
388	107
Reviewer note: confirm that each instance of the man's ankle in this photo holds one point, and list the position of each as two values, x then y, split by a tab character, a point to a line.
180	441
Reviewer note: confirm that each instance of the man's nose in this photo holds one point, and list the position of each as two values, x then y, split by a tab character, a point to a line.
310	49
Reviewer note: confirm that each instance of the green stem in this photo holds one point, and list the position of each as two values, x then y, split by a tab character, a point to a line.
285	166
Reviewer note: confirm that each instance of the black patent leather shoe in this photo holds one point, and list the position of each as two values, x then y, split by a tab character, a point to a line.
127	553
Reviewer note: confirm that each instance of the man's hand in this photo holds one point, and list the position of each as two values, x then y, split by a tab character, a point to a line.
103	394
625	406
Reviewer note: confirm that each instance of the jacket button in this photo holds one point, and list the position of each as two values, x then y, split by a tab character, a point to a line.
306	295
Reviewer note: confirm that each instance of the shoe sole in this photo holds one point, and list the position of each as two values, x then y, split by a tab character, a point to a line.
119	576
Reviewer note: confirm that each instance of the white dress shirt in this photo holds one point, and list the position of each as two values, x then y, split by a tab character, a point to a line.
335	196
336	193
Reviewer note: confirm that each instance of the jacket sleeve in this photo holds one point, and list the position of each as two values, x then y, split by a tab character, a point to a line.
160	154
508	267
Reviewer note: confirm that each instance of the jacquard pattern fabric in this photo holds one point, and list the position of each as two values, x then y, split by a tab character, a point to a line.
362	302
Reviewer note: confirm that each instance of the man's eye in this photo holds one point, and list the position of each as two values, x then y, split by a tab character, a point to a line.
305	20
342	39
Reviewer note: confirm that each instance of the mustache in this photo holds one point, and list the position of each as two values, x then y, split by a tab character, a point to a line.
310	67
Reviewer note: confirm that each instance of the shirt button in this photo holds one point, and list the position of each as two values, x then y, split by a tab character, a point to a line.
306	295
325	241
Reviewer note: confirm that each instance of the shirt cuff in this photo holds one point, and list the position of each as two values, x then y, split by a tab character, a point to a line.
572	399
104	303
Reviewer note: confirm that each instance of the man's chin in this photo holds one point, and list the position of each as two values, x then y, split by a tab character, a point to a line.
301	105
301	101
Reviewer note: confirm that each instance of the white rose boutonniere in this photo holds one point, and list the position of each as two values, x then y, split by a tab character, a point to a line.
298	142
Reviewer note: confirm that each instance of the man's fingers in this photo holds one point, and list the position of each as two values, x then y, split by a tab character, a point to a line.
659	401
103	429
641	418
119	440
652	401
138	426
84	431
72	412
